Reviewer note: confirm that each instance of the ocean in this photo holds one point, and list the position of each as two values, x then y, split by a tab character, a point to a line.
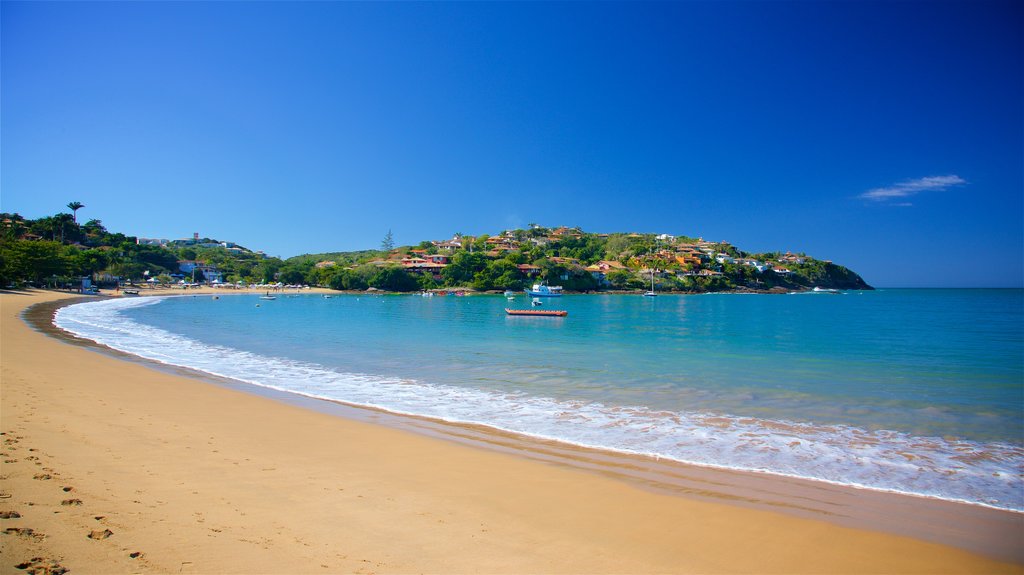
909	391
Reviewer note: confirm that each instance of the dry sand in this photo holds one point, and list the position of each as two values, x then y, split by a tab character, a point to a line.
116	467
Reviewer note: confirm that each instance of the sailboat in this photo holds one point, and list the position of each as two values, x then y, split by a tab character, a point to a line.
651	293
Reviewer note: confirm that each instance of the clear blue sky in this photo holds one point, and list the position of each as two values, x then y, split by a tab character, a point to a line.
888	137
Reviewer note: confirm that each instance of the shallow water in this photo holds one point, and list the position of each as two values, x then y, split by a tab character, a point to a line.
916	391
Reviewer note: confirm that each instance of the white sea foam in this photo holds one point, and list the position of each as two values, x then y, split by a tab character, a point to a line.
989	474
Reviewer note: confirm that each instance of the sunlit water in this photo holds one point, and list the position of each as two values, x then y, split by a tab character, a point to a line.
915	391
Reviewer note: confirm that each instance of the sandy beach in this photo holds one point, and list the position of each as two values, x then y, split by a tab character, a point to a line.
113	466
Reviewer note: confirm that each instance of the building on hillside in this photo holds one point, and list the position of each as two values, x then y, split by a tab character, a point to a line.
793	259
437	258
567	262
152	242
209	273
757	265
601	269
422	266
564	232
449	245
529	270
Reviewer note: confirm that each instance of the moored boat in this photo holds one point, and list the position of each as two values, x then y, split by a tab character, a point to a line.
542	290
538	312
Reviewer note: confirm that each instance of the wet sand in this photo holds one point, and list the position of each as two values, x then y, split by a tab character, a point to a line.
114	466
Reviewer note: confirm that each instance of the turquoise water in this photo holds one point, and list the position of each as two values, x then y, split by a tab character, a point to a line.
918	391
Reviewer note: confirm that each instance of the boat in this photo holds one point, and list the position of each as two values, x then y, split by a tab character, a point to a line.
510	293
538	312
268	296
130	291
651	293
542	290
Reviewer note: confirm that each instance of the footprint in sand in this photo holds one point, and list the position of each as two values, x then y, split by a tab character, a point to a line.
67	489
24	532
71	502
42	566
42	476
100	534
9	515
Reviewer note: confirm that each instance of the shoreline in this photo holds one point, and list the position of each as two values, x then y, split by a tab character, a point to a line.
800	496
44	323
663	484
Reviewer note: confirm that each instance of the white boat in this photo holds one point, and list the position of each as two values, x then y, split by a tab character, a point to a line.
541	290
509	293
268	296
651	293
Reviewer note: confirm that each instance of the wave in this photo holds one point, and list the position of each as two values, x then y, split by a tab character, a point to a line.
990	474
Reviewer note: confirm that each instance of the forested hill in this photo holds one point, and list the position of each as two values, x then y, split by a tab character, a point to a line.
577	260
58	250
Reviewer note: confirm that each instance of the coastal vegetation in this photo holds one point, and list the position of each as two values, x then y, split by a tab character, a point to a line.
57	250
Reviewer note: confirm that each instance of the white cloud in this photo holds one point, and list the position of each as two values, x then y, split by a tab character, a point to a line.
911	187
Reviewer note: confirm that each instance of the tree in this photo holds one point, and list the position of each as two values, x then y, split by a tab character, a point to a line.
620	279
74	207
392	278
463	267
388	243
24	260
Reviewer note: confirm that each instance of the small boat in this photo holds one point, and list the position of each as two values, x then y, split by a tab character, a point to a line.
509	293
651	293
268	296
541	290
130	291
538	312
536	302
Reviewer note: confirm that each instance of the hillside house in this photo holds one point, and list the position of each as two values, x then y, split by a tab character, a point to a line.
529	270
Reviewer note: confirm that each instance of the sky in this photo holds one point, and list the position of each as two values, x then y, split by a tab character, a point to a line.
885	136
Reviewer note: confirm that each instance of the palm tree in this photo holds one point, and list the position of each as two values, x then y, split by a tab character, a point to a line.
74	207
